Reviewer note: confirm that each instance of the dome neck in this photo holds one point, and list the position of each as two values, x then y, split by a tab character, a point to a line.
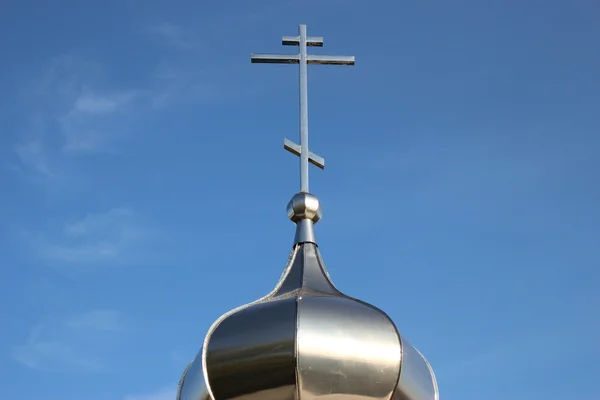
304	210
305	232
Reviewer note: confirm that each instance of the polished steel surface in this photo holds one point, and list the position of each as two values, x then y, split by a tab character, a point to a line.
304	206
304	209
193	383
255	348
295	41
330	60
321	59
345	349
275	58
305	232
417	380
296	149
306	340
302	58
303	111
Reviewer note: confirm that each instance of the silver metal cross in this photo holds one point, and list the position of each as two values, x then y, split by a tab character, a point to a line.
303	59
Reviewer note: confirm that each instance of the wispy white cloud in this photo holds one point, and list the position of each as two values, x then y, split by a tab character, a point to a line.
161	394
107	237
72	108
188	82
34	153
95	122
33	156
93	223
186	78
50	355
92	103
68	344
173	35
180	81
99	320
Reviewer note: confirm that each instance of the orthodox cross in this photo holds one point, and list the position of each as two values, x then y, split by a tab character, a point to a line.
303	59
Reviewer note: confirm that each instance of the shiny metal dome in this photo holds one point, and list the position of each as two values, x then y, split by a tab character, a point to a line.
306	340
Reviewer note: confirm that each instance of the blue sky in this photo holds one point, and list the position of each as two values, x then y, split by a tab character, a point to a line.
144	185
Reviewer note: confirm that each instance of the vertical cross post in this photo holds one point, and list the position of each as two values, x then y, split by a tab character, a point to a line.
302	58
303	111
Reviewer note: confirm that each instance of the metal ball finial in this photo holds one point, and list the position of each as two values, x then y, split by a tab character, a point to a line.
304	210
304	206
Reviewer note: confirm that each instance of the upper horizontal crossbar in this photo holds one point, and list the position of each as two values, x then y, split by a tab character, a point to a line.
312	41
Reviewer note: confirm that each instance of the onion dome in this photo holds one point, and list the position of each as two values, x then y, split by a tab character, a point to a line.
306	340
